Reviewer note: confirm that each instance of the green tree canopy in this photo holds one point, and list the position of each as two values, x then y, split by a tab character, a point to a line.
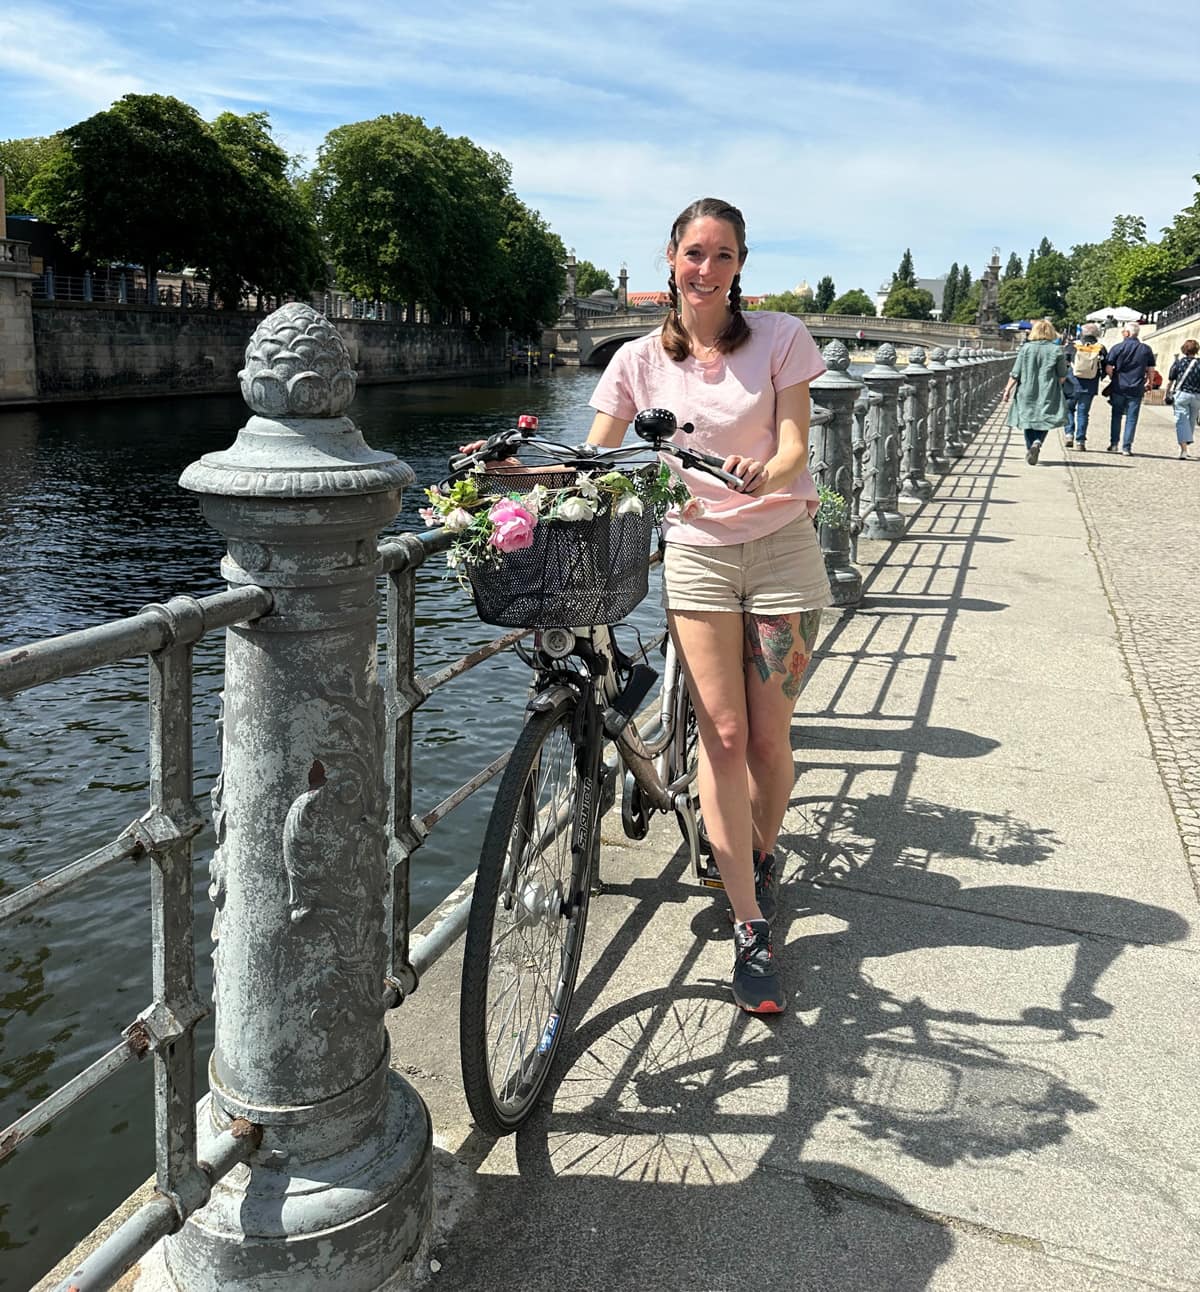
966	306
950	292
1144	277
266	239
532	279
1014	268
1014	300
1045	247
826	292
908	303
855	301
1182	236
905	275
589	279
20	161
142	181
787	303
1046	286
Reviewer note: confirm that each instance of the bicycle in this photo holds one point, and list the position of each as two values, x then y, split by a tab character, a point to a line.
539	862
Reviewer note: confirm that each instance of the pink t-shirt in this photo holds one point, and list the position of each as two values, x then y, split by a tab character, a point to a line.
731	402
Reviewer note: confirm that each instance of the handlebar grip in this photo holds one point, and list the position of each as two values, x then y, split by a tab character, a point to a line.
499	446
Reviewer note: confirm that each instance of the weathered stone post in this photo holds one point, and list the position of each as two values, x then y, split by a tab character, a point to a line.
338	1194
937	457
830	458
881	462
956	385
917	379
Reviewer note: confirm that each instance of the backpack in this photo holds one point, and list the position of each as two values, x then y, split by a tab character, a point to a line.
1087	360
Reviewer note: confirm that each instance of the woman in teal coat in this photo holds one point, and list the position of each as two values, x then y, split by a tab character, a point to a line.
1037	377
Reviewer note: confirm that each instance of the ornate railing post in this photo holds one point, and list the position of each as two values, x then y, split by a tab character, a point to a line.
956	385
917	378
881	462
938	389
831	460
338	1194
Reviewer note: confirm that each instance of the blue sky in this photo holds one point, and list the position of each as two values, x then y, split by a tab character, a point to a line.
845	133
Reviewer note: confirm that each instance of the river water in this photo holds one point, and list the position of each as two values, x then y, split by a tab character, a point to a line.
93	527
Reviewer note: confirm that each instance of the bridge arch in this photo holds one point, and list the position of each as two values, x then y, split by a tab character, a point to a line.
603	349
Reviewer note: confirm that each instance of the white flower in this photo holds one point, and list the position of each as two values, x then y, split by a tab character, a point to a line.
587	487
630	505
575	509
534	499
457	520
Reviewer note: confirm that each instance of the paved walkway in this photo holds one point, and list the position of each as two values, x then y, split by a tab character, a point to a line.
988	1075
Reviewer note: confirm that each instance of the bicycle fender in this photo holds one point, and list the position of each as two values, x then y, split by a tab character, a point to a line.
545	700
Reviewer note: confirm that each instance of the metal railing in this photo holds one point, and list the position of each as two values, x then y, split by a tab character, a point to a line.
855	445
1185	307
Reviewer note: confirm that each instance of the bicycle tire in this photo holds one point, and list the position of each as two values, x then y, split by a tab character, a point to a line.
686	754
528	915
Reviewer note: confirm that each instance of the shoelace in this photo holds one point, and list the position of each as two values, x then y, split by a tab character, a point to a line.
753	946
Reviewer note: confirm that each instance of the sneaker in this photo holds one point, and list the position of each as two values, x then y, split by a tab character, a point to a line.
1127	452
756	986
1068	443
1081	446
1112	448
1032	456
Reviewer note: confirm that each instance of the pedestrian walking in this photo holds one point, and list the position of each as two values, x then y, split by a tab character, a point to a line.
1183	393
1130	367
1087	365
1034	391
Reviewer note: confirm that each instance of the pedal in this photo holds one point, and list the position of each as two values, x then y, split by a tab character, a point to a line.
708	876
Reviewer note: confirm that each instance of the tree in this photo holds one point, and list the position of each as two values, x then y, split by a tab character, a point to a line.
826	292
1032	258
1181	238
905	276
1093	283
589	279
787	303
1045	247
142	182
950	292
966	305
1145	276
1014	300
855	301
532	278
908	303
1046	286
1014	268
266	239
20	161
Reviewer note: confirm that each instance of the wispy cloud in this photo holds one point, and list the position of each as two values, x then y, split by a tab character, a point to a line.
844	135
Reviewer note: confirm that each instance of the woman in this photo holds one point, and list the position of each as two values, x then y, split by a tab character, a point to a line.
1183	385
1037	377
744	581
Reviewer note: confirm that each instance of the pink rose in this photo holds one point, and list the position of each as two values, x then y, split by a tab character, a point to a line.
513	526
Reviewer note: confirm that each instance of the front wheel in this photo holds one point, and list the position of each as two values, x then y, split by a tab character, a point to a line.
525	932
684	759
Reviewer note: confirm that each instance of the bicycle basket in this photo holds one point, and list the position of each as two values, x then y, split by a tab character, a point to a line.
576	574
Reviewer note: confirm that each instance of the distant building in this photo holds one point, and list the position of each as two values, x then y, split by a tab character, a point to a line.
934	286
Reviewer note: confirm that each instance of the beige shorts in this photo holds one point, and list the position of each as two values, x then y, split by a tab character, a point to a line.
780	574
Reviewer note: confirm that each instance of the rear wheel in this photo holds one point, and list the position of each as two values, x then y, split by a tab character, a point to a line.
686	757
525	932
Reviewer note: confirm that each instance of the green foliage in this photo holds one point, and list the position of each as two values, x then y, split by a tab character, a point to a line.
908	303
787	303
1014	268
966	308
832	512
143	181
855	301
1031	259
905	275
1046	286
1045	247
950	292
589	279
826	292
1144	277
1182	236
266	239
409	213
1014	300
20	161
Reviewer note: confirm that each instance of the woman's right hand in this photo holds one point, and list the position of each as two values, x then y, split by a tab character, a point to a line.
475	445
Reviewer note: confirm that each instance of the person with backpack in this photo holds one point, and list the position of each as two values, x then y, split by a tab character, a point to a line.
1130	365
1087	366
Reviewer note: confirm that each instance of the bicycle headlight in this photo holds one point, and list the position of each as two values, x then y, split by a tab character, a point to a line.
557	643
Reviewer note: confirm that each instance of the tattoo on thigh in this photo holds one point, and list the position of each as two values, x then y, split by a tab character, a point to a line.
772	647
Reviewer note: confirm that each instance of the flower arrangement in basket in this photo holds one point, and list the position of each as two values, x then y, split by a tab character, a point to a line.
555	547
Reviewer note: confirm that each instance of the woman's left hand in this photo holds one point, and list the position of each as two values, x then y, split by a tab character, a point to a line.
751	471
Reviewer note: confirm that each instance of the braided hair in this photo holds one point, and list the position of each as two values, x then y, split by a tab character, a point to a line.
675	338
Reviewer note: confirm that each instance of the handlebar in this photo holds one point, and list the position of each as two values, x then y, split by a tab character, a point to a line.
654	425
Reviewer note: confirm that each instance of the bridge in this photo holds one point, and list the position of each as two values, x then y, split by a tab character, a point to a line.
589	338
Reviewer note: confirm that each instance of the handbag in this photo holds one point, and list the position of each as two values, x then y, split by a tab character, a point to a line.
1169	397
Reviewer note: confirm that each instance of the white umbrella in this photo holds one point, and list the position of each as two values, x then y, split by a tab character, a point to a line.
1122	313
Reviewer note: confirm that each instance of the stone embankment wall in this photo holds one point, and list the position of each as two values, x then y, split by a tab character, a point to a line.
90	351
16	341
